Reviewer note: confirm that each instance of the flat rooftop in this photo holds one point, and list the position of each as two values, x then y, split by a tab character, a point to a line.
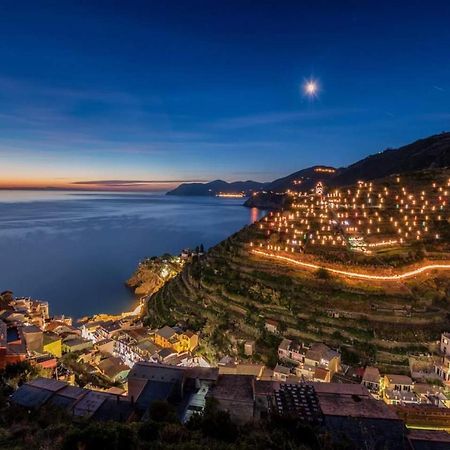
234	387
354	406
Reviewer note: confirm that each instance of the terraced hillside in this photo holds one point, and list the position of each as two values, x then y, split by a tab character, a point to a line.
231	292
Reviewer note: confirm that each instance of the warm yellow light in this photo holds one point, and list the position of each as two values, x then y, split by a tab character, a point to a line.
311	88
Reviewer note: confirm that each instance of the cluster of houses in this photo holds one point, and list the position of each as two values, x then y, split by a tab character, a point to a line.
336	409
108	347
161	365
28	333
114	347
318	363
442	367
402	390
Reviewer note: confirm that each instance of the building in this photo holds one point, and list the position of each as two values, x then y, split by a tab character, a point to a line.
320	355
432	394
12	345
424	416
349	409
34	338
342	412
47	362
317	356
75	345
76	401
228	366
444	346
134	345
291	351
234	394
113	368
52	344
442	367
34	311
105	346
249	348
180	341
99	330
299	400
281	373
322	375
271	326
148	382
61	327
429	439
398	390
371	379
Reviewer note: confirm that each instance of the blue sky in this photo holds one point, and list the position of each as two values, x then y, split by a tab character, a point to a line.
198	90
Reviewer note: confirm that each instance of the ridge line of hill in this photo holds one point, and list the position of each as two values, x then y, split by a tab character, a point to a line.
427	153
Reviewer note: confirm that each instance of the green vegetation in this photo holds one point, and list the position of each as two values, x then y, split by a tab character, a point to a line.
229	293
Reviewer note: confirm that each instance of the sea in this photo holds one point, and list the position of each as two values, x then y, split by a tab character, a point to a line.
76	249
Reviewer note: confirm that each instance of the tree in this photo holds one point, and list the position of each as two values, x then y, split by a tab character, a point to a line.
14	375
323	274
282	327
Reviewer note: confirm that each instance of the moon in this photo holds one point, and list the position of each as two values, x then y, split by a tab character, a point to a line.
311	88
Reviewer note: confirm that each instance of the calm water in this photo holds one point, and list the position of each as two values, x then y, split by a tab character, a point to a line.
77	249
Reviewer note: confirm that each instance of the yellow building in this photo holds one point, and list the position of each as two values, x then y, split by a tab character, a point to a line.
167	337
52	345
186	342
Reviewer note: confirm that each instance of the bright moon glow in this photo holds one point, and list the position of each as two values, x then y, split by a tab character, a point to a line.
311	88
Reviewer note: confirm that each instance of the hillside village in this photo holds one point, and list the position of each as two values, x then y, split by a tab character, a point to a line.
105	359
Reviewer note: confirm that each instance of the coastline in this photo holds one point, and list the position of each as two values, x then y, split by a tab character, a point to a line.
76	249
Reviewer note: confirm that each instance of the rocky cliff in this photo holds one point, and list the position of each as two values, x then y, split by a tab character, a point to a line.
152	273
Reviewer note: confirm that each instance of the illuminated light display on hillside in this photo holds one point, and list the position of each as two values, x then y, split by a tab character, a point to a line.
324	170
366	218
350	274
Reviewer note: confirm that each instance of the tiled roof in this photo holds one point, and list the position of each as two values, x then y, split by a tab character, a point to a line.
166	332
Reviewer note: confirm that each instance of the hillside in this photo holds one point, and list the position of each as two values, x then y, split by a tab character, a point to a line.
216	187
303	180
430	153
230	293
272	197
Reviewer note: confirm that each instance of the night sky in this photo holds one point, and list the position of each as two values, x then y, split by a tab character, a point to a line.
197	90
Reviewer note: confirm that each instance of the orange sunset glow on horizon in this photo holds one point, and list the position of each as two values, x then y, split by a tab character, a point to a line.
90	185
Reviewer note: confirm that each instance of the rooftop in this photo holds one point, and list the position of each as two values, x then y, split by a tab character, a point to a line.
285	344
31	329
299	399
355	406
112	366
156	372
371	374
398	379
321	373
166	352
282	369
76	341
51	337
166	332
233	387
319	351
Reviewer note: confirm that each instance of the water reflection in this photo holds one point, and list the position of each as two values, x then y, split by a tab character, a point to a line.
76	249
